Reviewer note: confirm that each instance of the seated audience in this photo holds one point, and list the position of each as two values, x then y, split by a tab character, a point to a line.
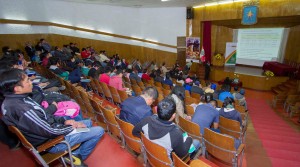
164	69
134	109
197	88
168	80
116	80
134	75
162	131
229	112
105	77
188	84
240	96
146	76
55	68
159	76
21	111
138	66
93	71
206	115
223	93
178	95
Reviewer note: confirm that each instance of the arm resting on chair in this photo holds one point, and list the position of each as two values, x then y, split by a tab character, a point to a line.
50	143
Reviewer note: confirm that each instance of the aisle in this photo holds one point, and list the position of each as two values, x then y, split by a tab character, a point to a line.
281	142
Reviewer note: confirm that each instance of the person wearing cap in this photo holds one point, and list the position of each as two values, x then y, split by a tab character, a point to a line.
240	96
188	84
206	114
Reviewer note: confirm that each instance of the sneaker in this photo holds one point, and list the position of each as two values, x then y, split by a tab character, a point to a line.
76	161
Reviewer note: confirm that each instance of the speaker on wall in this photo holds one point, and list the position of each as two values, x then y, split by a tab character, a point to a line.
189	13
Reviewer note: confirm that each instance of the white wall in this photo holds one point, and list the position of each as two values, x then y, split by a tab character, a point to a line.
162	25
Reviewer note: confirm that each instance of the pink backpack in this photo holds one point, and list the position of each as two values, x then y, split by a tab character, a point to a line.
65	108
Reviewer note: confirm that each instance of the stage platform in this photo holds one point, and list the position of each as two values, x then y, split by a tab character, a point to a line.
252	77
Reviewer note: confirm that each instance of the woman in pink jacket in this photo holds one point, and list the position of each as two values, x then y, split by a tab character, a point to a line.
116	81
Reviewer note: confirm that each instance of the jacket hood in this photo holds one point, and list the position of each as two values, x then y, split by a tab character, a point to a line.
160	128
230	112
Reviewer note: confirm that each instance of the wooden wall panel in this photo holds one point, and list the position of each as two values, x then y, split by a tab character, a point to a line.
292	51
129	52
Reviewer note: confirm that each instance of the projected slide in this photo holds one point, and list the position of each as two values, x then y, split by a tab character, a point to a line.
258	45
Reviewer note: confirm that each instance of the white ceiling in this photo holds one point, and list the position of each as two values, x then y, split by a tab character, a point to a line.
147	3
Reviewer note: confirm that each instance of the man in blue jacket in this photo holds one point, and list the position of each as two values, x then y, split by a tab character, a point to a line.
134	109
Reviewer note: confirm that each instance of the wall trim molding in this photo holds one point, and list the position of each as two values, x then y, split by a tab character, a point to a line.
40	23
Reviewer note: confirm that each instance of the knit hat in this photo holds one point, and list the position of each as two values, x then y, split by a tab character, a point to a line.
208	90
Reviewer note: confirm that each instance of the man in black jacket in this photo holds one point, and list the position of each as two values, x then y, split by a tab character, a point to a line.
35	124
162	131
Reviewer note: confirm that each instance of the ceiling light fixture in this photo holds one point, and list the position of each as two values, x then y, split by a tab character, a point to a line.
225	2
164	0
240	0
211	4
200	6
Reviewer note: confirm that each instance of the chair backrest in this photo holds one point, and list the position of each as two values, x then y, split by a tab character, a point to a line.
21	137
219	145
178	162
166	92
99	113
99	88
220	103
133	82
187	93
137	90
106	91
123	95
111	122
115	95
189	110
195	95
131	141
85	98
191	128
230	127
157	155
165	86
199	163
158	84
141	85
190	100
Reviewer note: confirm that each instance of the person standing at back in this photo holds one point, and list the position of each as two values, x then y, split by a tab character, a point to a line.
134	109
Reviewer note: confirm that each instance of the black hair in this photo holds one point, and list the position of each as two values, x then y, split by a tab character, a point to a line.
168	75
165	109
107	69
236	88
208	97
228	101
96	64
5	49
119	71
53	60
179	91
151	91
9	79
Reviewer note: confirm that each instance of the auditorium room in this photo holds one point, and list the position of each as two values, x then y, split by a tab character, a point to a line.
156	83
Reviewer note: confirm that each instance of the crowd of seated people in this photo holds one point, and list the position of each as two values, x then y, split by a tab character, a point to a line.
71	65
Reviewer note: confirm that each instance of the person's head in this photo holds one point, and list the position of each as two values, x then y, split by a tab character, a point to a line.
15	81
189	81
228	102
179	91
150	94
88	63
168	75
96	65
236	88
54	61
166	110
83	49
107	69
6	49
163	64
242	91
208	97
208	84
42	40
119	72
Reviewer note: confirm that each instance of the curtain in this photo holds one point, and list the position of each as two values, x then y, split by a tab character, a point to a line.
207	40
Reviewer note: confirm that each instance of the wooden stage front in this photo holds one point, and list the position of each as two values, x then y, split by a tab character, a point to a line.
250	76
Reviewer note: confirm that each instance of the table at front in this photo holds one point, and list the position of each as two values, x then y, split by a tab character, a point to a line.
279	69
